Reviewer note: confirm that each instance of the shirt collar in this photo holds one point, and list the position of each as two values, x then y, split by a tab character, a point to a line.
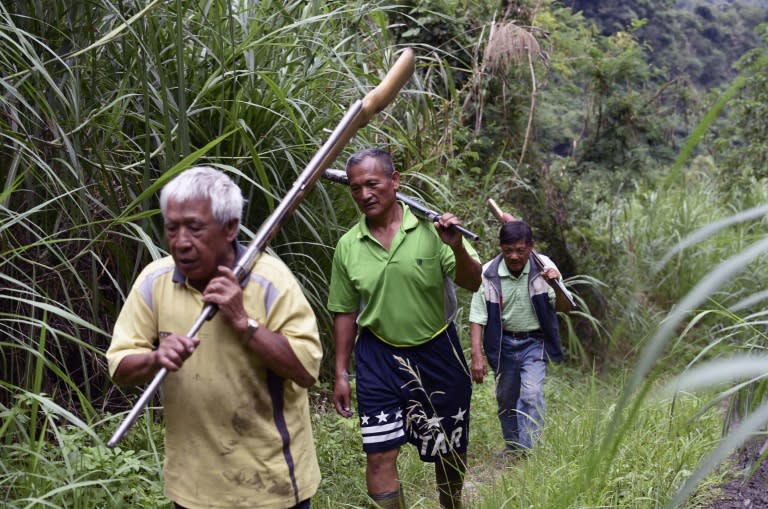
409	222
504	270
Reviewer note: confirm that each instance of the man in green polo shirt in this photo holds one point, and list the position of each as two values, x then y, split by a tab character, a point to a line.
238	431
393	301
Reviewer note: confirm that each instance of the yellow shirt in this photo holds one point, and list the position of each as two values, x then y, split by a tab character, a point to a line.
237	435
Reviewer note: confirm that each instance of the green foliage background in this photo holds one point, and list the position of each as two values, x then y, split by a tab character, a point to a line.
631	135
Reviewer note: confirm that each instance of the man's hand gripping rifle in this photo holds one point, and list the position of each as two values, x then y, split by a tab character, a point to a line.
340	177
356	117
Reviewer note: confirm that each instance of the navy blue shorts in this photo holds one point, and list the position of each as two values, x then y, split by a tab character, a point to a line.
418	394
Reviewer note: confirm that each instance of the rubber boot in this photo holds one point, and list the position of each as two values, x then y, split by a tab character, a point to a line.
449	477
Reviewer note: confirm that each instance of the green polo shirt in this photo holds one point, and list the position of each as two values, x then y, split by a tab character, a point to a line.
404	293
517	312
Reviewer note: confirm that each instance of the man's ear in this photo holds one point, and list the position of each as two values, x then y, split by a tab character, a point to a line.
231	229
396	179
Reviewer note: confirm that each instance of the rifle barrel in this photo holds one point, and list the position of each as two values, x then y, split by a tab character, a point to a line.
340	177
356	117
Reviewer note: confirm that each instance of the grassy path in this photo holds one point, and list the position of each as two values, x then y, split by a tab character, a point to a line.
640	466
587	458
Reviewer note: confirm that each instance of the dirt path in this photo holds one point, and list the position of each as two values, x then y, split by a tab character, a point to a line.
738	494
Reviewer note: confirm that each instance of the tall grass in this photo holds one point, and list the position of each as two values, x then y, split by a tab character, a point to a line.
662	446
101	106
101	102
570	469
696	305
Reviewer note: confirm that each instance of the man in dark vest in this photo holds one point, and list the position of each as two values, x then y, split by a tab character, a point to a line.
513	321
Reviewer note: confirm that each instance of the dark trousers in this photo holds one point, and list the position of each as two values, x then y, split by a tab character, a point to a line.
301	505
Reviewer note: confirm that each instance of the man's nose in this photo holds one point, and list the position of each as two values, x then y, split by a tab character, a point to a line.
182	238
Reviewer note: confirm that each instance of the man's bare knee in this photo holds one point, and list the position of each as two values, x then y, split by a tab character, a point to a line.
383	460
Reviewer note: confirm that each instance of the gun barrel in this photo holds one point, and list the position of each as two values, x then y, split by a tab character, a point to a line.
340	177
356	117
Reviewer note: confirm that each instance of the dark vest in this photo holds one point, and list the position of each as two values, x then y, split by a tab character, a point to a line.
545	312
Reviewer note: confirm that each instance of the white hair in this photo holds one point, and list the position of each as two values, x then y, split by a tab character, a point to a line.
225	196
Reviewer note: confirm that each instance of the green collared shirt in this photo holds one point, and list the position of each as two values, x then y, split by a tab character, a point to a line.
517	313
403	294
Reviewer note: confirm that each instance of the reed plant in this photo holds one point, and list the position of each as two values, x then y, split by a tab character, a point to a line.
692	258
102	110
102	102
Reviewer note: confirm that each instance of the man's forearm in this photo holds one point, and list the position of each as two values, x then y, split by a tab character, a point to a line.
475	335
277	353
468	270
344	332
136	369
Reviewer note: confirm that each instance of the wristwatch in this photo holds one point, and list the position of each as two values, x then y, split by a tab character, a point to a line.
252	326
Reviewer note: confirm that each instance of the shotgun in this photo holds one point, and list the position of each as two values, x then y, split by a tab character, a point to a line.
496	210
356	117
340	177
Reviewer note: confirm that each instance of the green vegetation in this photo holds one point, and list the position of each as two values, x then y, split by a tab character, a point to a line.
642	168
699	41
661	445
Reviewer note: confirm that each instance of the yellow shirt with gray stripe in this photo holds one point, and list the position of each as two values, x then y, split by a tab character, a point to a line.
237	435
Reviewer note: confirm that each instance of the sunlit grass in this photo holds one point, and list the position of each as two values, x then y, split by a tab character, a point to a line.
571	468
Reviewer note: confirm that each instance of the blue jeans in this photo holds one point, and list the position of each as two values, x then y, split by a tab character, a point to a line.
520	391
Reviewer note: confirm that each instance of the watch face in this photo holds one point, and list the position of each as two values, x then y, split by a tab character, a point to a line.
253	325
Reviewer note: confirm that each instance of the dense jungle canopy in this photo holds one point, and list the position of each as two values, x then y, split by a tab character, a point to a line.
632	136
